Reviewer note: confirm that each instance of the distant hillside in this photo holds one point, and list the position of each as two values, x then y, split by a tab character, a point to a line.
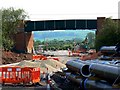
61	35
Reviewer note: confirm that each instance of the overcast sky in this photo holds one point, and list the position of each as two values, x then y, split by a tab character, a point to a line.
65	9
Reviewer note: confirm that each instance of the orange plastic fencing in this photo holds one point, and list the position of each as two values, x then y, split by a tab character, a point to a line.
39	57
42	57
17	75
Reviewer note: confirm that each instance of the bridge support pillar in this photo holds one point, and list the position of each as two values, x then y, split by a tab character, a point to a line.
100	23
24	42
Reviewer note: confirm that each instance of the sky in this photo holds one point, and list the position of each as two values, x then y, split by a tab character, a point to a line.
65	9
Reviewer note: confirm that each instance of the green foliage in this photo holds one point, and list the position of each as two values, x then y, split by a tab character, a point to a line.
0	29
7	43
91	40
11	19
109	34
65	44
36	44
57	44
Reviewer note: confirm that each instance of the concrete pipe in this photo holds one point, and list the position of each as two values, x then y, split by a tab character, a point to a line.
109	49
108	72
76	81
79	67
96	85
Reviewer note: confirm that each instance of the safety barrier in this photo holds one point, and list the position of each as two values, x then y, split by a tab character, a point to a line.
19	75
39	57
42	57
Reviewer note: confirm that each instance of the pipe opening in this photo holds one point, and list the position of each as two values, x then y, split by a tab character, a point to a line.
85	71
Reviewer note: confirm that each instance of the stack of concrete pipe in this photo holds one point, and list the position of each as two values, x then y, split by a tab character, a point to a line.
105	75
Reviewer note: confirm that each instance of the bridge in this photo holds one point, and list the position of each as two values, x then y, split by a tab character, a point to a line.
60	25
24	39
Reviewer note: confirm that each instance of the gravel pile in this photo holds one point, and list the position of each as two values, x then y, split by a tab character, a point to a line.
45	65
29	64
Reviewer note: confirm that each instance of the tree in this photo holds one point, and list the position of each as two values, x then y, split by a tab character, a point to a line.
36	44
91	39
11	19
109	34
0	29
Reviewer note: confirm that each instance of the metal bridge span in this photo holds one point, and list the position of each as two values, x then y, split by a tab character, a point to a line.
60	25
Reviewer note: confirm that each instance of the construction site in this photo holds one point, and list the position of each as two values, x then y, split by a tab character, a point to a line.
62	71
60	54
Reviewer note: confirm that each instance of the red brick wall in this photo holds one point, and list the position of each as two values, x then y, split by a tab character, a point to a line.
20	42
29	42
100	22
24	42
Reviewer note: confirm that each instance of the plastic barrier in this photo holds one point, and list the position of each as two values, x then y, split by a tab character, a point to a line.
17	75
42	57
39	57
